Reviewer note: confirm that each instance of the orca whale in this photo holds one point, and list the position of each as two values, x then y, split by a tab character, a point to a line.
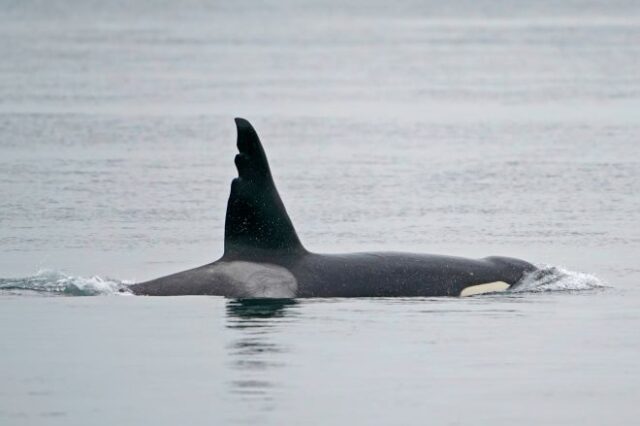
264	258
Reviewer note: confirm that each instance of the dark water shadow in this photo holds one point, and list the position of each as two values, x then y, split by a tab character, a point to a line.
257	352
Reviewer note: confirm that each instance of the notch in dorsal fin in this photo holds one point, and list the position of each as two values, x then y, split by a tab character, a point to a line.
256	219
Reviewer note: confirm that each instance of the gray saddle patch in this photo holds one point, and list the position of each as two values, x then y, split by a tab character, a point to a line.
250	279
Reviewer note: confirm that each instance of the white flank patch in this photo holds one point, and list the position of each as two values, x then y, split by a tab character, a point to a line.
251	279
484	288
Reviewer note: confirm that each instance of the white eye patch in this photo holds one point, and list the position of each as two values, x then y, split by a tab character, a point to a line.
484	288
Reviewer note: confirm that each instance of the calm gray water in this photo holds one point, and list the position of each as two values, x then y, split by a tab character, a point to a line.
469	128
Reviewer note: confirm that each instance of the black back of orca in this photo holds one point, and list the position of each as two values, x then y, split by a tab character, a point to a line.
263	256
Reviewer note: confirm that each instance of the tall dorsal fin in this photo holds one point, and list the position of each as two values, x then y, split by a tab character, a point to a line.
256	218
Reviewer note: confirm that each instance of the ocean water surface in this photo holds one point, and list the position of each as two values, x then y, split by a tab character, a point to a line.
466	128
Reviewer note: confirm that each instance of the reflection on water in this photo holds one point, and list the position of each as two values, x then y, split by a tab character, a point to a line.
254	350
257	309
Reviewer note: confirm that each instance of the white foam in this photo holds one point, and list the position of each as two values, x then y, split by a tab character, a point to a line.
56	282
553	278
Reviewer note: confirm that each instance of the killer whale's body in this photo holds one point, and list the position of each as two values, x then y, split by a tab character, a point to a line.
264	258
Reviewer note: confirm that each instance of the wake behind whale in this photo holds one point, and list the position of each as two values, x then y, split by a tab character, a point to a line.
57	283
